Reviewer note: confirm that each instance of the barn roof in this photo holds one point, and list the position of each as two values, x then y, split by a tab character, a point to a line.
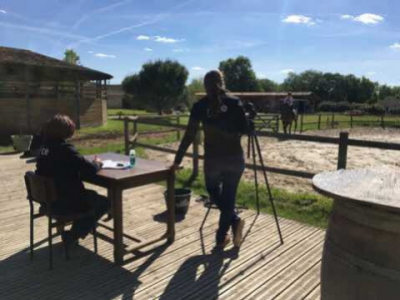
23	63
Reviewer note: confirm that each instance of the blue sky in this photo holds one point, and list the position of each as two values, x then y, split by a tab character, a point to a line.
359	37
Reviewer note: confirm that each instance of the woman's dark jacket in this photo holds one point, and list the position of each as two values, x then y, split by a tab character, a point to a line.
62	162
222	130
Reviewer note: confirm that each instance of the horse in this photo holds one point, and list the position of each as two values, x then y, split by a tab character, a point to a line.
288	115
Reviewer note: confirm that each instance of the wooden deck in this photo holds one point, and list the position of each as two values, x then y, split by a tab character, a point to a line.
263	269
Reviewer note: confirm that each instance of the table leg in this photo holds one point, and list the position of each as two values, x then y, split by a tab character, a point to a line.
171	206
116	196
110	212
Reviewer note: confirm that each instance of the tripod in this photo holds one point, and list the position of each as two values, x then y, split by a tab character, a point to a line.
253	149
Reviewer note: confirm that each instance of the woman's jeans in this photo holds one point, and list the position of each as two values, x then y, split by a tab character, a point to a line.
222	178
99	206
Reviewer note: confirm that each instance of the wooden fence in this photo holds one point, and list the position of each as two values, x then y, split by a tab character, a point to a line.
336	120
343	142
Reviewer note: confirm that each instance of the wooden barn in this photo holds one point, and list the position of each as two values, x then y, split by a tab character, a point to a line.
269	102
34	87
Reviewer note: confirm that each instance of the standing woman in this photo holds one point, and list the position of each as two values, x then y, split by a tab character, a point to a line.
224	122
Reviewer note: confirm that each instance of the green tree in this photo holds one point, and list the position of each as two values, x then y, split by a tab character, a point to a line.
70	56
268	85
332	86
239	75
161	84
195	86
130	84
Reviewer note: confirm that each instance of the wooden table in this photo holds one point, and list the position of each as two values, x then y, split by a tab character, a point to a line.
361	257
116	181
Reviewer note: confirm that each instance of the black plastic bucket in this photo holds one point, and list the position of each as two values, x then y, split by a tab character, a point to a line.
182	200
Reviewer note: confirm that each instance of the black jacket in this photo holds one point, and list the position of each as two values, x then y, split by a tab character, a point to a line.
222	131
62	162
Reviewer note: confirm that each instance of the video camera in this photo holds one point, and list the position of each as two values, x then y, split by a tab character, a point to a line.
251	114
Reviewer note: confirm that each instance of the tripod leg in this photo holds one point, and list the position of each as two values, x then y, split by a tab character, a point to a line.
248	146
268	188
253	151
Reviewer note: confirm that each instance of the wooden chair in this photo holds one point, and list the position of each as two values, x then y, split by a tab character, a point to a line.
42	190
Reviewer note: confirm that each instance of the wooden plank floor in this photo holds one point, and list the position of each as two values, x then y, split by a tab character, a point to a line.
187	269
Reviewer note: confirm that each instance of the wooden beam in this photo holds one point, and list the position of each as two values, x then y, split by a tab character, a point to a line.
77	104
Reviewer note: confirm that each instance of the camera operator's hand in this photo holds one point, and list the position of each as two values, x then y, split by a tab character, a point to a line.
175	167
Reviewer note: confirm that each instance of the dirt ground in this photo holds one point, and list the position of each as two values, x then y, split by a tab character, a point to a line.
313	157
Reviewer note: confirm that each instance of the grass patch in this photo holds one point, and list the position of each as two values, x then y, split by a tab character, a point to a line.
120	147
303	207
126	112
6	149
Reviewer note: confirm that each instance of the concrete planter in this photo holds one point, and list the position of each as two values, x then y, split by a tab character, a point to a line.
21	143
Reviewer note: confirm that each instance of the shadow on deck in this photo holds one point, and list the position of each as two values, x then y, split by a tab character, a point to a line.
187	269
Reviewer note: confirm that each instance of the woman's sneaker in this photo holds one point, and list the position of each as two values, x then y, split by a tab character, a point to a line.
238	233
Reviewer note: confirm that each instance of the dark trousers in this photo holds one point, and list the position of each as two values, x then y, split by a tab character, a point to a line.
222	178
98	206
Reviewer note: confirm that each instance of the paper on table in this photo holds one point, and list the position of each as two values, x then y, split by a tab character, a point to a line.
111	164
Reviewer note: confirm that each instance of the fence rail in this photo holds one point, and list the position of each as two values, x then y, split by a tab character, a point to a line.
334	120
343	142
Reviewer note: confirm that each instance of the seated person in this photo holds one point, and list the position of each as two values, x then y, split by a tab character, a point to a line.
62	162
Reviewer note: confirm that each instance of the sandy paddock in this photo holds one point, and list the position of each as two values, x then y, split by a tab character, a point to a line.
313	157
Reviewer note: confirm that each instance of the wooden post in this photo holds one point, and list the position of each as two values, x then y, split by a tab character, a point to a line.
342	156
351	120
319	121
196	144
135	133
78	104
126	134
277	120
171	206
301	123
333	121
178	132
28	106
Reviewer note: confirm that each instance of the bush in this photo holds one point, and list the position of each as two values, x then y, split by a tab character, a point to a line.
395	111
342	106
330	106
327	106
375	109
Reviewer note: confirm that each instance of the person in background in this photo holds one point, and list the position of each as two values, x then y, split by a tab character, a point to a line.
224	122
289	100
61	161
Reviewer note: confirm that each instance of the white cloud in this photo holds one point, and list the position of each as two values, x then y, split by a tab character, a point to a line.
99	11
180	50
142	37
90	52
347	17
148	49
287	71
261	75
364	18
163	39
299	19
2	11
371	73
103	55
395	46
197	69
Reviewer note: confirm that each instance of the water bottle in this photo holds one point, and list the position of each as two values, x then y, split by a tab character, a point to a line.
132	158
